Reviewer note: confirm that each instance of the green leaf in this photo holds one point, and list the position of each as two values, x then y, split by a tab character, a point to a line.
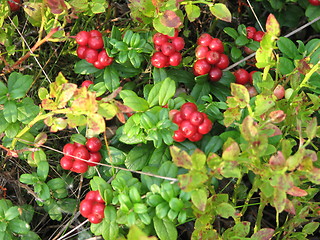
43	170
286	65
199	198
132	100
85	68
134	58
138	157
231	32
220	11
287	47
193	12
10	112
3	93
115	156
56	183
18	226
12	129
165	229
226	210
18	85
198	159
310	228
241	40
12	213
28	178
167	91
111	78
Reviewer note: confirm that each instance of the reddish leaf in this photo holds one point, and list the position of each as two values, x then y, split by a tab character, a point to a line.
277	160
180	158
40	139
170	19
290	207
277	116
303	66
57	6
263	234
272	25
297	192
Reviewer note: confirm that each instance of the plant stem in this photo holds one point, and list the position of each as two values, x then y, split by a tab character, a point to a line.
257	226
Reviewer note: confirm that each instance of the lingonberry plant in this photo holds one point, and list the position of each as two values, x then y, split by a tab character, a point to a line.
159	119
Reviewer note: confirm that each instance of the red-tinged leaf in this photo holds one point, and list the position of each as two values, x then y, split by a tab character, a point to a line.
241	94
248	128
277	116
57	6
231	115
84	101
192	180
297	192
272	25
277	160
180	157
199	198
290	207
121	117
40	139
96	124
58	124
279	199
220	11
67	91
170	19
198	159
303	66
49	104
263	234
231	150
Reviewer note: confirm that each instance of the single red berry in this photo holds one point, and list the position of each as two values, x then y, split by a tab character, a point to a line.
215	74
95	157
279	91
314	2
172	113
177	118
223	62
104	58
187	128
79	166
82	38
81	153
95	43
178	136
216	45
66	163
250	32
98	197
159	39
201	51
81	51
91	195
251	77
187	109
86	83
175	59
205	127
93	144
97	64
242	76
167	49
196	137
213	57
204	39
159	60
95	33
95	219
248	50
68	150
258	36
91	55
178	43
85	207
98	209
201	67
14	5
196	118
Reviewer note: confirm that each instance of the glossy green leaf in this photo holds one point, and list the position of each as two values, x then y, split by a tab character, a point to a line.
12	213
287	47
165	229
138	157
10	112
167	91
18	226
221	11
18	85
111	78
193	11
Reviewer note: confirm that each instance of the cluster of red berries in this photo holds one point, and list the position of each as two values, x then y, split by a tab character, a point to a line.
75	153
243	76
167	50
91	49
192	123
92	207
210	57
252	33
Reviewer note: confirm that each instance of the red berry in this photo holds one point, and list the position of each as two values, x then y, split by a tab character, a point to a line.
82	38
79	166
178	43
216	45
248	50
14	5
215	74
159	60
196	137
104	58
250	32
314	2
204	39
178	136
167	49
95	157
175	59
85	207
81	52
95	33
242	76
187	109
223	62
252	91
68	150
66	163
97	64
159	39
94	219
187	128
98	209
172	113
81	153
213	57
189	105
91	195
258	36
93	144
201	67
201	51
85	83
98	198
205	127
196	118
177	118
279	91
91	55
95	43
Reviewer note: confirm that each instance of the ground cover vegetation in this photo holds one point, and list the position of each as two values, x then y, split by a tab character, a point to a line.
157	119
